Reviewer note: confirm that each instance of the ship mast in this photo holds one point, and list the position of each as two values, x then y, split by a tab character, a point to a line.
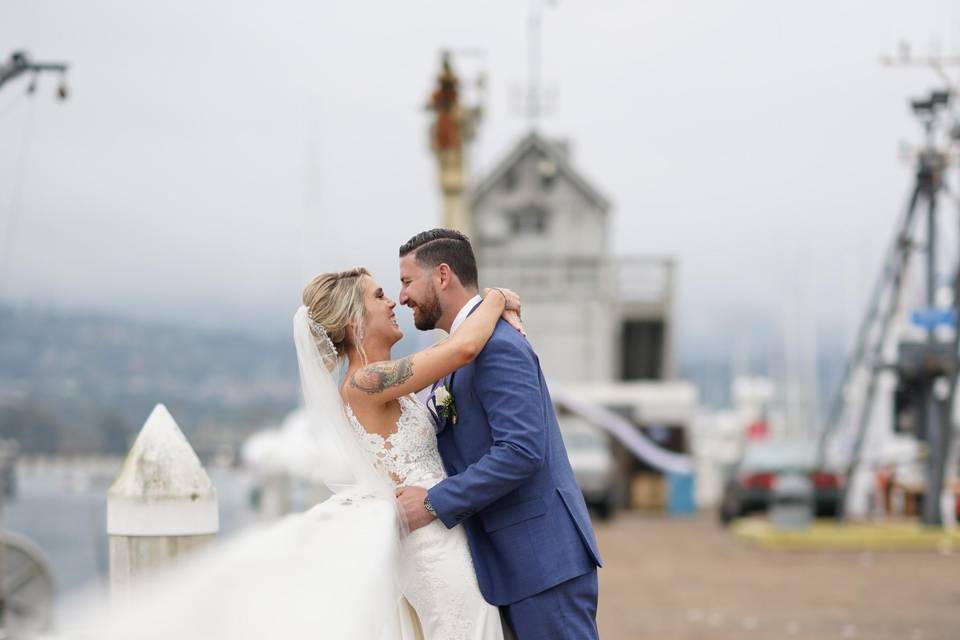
453	128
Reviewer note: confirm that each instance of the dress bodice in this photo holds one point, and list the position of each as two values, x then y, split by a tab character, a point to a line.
409	455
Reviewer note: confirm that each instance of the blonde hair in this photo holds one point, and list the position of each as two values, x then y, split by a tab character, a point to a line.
335	302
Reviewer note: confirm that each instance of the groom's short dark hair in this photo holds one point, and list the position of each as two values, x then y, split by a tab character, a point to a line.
444	246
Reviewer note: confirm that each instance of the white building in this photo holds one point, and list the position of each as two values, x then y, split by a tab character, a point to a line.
541	228
602	325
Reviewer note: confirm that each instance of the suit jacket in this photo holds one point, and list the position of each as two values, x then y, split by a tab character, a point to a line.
510	482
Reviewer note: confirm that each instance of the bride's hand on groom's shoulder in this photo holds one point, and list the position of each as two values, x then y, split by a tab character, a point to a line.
511	298
511	311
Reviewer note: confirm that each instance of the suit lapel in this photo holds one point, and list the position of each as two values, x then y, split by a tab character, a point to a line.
438	422
446	381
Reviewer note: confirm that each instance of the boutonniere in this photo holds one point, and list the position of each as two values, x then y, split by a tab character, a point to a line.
446	407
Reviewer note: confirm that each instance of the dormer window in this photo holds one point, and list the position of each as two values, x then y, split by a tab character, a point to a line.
548	173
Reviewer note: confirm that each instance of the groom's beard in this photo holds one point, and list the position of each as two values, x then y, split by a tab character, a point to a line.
427	315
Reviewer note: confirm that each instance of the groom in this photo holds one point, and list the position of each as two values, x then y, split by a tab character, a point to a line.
510	484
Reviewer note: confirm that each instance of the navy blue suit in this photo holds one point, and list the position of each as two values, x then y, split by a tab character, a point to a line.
511	486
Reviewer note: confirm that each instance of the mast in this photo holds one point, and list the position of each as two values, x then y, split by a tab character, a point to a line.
453	128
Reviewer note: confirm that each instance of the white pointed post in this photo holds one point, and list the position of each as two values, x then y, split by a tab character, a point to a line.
161	505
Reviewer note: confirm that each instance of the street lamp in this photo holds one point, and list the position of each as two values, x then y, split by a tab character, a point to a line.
20	63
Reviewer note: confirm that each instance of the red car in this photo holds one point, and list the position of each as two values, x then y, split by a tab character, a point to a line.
747	489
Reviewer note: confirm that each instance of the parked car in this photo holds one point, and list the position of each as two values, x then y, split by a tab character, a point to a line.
594	465
748	484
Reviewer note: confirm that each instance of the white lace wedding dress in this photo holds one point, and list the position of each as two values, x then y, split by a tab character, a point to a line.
339	570
326	573
440	583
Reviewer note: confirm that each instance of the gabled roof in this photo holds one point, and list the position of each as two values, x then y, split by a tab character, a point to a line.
534	140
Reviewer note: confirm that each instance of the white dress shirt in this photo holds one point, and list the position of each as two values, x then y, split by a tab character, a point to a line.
464	312
424	394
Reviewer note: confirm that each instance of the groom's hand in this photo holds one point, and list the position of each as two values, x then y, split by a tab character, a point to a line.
410	500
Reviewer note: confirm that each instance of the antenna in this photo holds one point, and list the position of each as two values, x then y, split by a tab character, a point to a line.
937	63
532	98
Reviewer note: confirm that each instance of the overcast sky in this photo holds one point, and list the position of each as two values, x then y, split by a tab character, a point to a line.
214	155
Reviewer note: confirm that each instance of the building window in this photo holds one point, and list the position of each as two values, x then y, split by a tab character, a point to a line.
642	350
509	181
529	220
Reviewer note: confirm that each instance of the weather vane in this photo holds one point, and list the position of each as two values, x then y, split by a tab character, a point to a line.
533	101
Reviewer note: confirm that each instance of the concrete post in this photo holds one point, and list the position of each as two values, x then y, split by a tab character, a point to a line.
161	505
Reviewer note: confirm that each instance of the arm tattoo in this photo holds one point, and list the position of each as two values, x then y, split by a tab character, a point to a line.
375	378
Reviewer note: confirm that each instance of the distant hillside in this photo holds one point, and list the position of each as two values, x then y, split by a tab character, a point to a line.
72	382
80	382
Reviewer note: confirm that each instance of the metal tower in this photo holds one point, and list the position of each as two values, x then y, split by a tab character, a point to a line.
926	370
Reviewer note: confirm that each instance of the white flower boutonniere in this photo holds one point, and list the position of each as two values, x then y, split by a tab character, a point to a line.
446	407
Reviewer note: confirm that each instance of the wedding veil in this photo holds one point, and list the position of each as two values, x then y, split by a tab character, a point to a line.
350	474
335	571
346	466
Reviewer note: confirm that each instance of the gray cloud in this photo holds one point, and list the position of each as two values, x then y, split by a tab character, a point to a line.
215	155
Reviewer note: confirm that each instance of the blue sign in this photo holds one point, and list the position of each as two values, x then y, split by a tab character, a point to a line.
929	318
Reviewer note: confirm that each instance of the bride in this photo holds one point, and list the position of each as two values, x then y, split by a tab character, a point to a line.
348	567
388	437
